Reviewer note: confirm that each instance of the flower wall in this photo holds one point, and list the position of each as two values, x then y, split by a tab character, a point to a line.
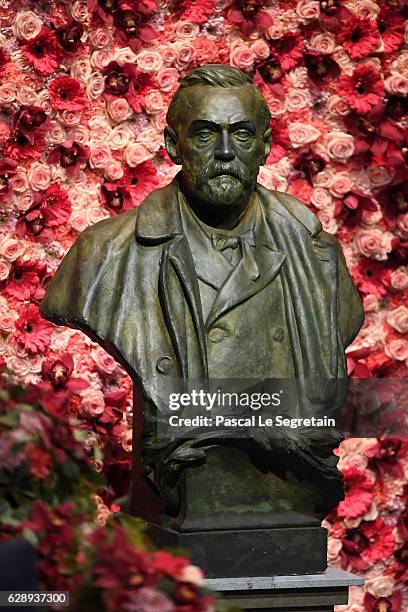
84	89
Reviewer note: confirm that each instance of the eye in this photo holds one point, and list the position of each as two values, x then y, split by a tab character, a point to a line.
243	135
204	135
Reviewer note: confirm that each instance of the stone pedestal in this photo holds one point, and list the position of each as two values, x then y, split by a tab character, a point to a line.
306	593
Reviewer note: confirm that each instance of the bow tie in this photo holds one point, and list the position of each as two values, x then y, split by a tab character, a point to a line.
247	242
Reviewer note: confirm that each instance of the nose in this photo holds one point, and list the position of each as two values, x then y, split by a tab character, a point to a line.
224	150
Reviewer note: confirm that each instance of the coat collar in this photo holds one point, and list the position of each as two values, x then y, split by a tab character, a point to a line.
159	219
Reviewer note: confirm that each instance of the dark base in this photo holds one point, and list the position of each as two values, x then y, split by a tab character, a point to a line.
251	552
310	593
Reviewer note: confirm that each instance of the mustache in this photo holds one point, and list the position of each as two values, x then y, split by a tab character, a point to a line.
234	169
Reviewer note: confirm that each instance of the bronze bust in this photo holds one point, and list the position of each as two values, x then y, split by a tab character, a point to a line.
214	276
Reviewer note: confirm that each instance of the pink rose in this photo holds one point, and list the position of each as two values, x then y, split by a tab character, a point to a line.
260	49
192	574
370	303
308	9
100	155
119	109
94	215
154	101
26	25
78	220
327	220
324	178
79	11
276	30
276	107
323	43
39	176
380	586
379	176
70	118
124	55
185	55
100	38
4	269
339	146
11	248
100	58
44	102
402	223
149	61
338	106
398	319
186	29
126	440
366	9
296	99
242	57
7	93
113	170
159	121
120	137
93	402
167	78
399	278
104	362
19	182
302	133
26	95
168	54
397	349
95	86
55	133
321	198
371	217
80	134
81	69
7	325
135	154
373	243
397	84
334	547
341	184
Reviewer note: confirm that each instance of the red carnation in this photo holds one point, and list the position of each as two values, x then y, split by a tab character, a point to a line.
24	279
67	94
288	49
198	11
42	52
359	36
32	331
359	493
40	462
49	210
363	89
249	16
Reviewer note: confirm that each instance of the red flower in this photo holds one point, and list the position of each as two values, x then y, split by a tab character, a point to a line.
7	170
168	564
67	94
369	543
24	278
386	457
128	82
394	202
69	37
249	16
363	89
383	604
48	210
42	51
70	155
59	372
130	21
143	179
321	66
359	36
359	493
40	462
197	11
26	134
288	49
32	331
391	26
371	277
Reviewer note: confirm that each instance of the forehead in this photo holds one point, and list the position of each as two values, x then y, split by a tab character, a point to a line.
221	105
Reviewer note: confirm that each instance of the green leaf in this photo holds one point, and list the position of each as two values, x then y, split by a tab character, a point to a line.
30	536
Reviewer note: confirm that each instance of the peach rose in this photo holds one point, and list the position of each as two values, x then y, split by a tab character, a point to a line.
167	78
242	57
399	278
296	99
39	176
100	38
104	362
260	49
79	11
337	105
341	184
80	134
113	170
334	547
302	133
70	118
154	101
149	60
26	25
93	402
366	9
276	30
299	77
100	58
402	223
324	178
81	69
94	215
100	155
185	55
119	137
7	93
55	133
19	182
100	128
135	154
95	86
397	349
378	176
308	9
119	109
168	54
398	319
186	29
323	43
327	220
321	198
339	146
7	325
78	220
26	95
397	84
24	201
43	100
370	303
373	243
159	121
380	586
124	55
4	269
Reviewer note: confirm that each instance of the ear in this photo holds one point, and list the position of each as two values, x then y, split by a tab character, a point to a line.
267	139
170	139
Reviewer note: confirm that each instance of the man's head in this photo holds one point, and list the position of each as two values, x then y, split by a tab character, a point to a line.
218	130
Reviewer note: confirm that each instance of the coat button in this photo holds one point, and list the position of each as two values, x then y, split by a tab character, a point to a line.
216	334
278	334
165	364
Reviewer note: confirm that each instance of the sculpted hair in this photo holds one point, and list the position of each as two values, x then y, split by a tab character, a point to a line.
215	75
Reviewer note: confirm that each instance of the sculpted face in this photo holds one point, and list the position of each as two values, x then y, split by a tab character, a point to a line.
220	142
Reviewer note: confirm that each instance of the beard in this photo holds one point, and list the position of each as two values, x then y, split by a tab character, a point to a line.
221	184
